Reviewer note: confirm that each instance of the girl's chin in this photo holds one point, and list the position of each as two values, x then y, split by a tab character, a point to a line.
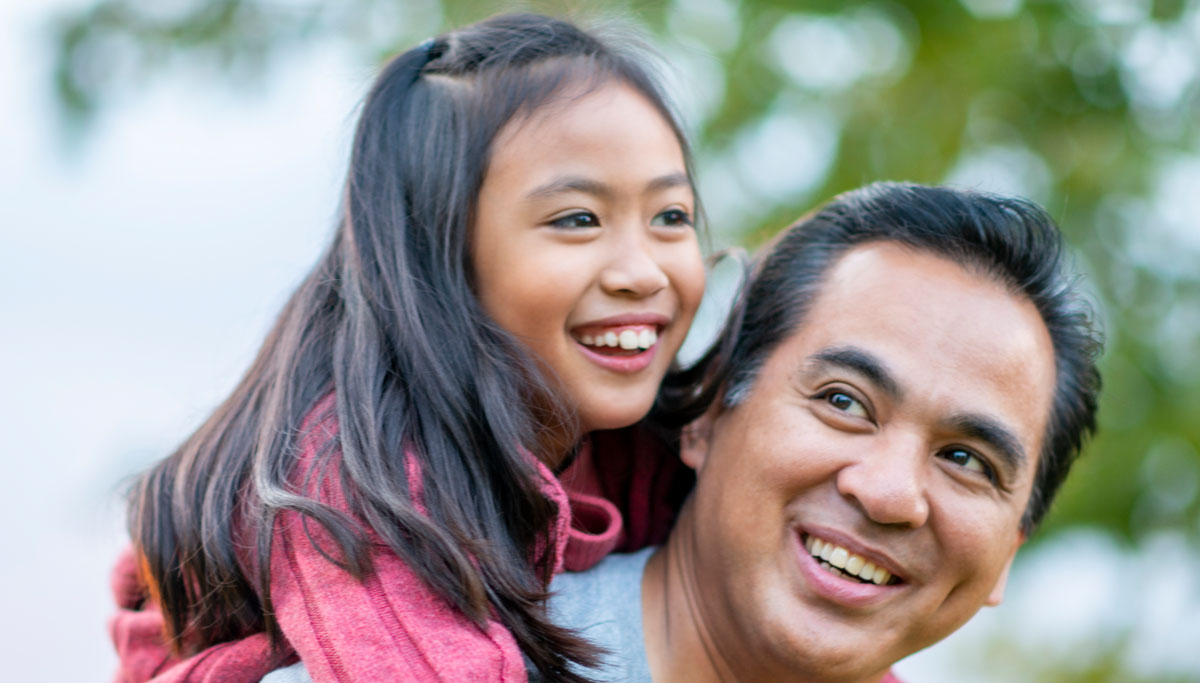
592	421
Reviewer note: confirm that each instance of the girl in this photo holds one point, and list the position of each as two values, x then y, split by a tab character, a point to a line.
515	268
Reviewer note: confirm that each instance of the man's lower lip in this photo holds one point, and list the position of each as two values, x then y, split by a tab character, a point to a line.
846	592
623	364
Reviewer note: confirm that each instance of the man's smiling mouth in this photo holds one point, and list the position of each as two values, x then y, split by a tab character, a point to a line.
841	562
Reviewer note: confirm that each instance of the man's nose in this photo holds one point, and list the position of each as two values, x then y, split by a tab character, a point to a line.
633	267
889	484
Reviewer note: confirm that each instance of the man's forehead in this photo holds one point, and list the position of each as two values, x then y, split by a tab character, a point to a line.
920	327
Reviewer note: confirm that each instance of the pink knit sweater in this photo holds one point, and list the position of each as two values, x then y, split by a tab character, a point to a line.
391	626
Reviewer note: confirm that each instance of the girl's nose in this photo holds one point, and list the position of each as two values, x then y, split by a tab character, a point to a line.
633	270
889	485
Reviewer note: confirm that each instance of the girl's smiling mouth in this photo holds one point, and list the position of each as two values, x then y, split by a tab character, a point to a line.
624	344
619	340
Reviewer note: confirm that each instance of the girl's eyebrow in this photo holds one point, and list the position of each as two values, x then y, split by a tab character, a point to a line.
574	183
667	182
571	183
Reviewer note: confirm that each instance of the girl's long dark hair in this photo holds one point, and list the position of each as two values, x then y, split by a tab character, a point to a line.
388	321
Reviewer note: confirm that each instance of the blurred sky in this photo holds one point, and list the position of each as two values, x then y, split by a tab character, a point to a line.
139	270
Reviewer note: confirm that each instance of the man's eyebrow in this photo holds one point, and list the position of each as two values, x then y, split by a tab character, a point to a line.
862	362
596	188
992	432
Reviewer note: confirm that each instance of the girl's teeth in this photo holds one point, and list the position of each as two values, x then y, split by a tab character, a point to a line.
627	339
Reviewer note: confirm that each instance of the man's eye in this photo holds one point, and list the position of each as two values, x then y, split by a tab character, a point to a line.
846	403
672	218
582	219
969	461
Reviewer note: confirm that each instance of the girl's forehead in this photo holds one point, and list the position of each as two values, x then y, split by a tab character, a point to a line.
614	122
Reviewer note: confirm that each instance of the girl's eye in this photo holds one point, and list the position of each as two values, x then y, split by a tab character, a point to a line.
968	461
846	404
581	219
672	218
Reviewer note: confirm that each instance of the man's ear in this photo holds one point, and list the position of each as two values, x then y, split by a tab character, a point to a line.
997	595
696	437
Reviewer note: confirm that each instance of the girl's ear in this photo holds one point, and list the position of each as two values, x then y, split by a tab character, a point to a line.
696	437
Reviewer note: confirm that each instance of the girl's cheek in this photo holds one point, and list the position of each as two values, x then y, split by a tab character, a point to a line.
694	284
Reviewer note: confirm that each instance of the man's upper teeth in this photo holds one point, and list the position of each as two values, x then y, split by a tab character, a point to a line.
627	338
848	562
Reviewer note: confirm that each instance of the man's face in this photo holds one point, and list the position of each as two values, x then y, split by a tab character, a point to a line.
899	425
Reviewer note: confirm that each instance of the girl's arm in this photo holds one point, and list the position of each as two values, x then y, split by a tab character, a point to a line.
138	635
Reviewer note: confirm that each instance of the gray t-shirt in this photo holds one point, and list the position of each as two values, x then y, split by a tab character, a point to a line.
604	604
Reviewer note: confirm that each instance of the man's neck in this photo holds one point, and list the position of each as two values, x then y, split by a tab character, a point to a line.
679	645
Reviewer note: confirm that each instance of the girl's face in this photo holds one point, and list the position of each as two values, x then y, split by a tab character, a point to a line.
583	248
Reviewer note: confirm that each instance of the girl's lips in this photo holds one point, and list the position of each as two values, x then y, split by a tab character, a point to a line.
625	364
600	325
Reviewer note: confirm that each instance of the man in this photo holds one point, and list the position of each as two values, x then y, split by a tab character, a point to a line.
909	383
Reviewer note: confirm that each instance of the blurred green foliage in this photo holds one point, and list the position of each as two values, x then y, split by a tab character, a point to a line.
1109	663
1088	106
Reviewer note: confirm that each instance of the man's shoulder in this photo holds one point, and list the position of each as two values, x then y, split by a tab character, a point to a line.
614	571
611	591
604	604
